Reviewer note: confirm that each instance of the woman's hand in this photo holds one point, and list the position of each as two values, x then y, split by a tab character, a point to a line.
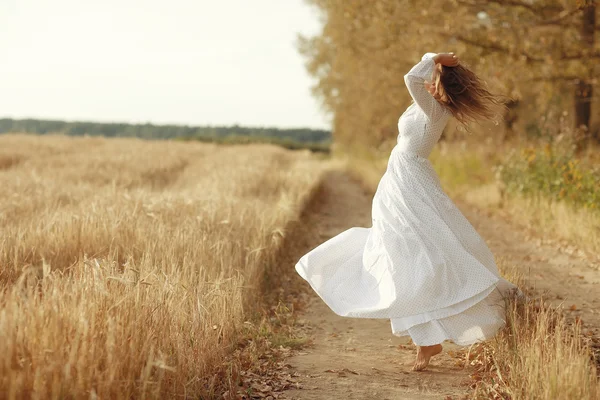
446	59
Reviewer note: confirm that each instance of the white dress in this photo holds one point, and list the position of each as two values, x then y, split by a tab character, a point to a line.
421	264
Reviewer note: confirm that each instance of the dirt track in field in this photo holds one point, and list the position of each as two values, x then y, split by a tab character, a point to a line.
361	359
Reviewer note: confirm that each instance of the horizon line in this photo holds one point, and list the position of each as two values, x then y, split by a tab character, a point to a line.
159	124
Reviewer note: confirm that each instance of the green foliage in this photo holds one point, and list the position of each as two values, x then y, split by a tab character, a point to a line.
292	138
554	173
291	144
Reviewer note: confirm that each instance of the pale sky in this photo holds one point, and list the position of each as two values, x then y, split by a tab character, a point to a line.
196	62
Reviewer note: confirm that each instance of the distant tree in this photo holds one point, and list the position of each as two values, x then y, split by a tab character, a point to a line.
149	131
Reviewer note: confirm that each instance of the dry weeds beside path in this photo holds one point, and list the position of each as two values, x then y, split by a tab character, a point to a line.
360	359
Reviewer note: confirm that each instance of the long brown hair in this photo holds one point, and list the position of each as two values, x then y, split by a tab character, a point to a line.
466	96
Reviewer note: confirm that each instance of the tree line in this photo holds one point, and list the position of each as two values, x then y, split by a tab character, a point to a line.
543	55
227	134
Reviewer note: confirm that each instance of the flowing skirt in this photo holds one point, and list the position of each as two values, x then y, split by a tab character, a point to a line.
421	264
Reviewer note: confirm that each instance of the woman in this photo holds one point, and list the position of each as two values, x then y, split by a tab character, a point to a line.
421	264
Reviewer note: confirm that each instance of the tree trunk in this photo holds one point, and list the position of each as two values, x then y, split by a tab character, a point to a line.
584	89
583	105
510	118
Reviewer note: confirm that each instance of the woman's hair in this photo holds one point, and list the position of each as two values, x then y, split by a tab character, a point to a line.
466	96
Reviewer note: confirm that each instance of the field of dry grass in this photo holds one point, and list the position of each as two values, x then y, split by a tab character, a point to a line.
131	269
538	355
127	267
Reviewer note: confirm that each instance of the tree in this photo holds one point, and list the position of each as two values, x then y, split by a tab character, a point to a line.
552	41
544	47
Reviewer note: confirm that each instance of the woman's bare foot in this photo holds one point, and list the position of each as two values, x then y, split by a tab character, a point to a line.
424	354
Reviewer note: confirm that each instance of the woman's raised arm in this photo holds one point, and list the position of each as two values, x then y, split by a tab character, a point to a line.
416	77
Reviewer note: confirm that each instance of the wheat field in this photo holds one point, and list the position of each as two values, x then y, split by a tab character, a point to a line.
128	266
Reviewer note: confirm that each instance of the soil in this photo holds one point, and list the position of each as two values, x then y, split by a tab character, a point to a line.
352	358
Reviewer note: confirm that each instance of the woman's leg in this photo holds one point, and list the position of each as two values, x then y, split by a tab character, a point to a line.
424	354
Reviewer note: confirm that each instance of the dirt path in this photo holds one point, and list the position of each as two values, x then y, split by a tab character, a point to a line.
361	359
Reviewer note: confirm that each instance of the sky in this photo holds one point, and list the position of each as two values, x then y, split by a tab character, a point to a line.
194	62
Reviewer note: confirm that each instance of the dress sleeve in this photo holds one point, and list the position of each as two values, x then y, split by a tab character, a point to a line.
415	82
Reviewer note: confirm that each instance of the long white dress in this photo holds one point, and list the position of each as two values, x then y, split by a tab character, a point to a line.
421	264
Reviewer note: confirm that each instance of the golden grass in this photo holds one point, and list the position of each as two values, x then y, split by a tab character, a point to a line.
538	355
128	267
558	220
